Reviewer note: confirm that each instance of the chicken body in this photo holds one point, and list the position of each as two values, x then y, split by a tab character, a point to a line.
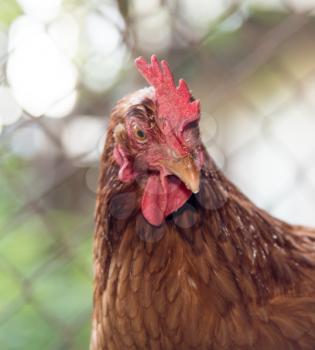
217	274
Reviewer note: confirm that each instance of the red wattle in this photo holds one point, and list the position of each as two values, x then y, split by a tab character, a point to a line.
162	196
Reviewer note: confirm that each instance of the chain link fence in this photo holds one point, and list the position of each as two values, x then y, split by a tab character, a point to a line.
64	64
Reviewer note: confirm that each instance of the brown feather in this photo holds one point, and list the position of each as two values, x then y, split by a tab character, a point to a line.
218	274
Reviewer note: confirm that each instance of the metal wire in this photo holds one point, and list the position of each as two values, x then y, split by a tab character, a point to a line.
53	176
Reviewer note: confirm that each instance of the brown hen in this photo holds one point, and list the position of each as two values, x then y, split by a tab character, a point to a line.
181	270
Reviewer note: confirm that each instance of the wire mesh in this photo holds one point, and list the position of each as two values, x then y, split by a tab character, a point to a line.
63	65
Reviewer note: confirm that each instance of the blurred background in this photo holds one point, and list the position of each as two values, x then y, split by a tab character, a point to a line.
64	64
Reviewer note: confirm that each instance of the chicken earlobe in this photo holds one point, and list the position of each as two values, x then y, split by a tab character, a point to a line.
127	172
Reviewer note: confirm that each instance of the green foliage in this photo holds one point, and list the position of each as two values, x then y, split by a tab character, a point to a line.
27	330
9	10
45	270
266	16
222	41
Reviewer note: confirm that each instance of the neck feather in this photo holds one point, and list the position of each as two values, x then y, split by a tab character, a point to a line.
219	229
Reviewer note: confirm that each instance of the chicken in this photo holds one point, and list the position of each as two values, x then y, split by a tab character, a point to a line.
182	259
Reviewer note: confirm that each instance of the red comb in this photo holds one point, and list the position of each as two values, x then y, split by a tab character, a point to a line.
173	102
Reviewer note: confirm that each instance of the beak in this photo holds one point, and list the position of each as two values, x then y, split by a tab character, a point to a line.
185	169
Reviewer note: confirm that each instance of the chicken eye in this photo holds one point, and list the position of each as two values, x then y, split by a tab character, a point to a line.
140	134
